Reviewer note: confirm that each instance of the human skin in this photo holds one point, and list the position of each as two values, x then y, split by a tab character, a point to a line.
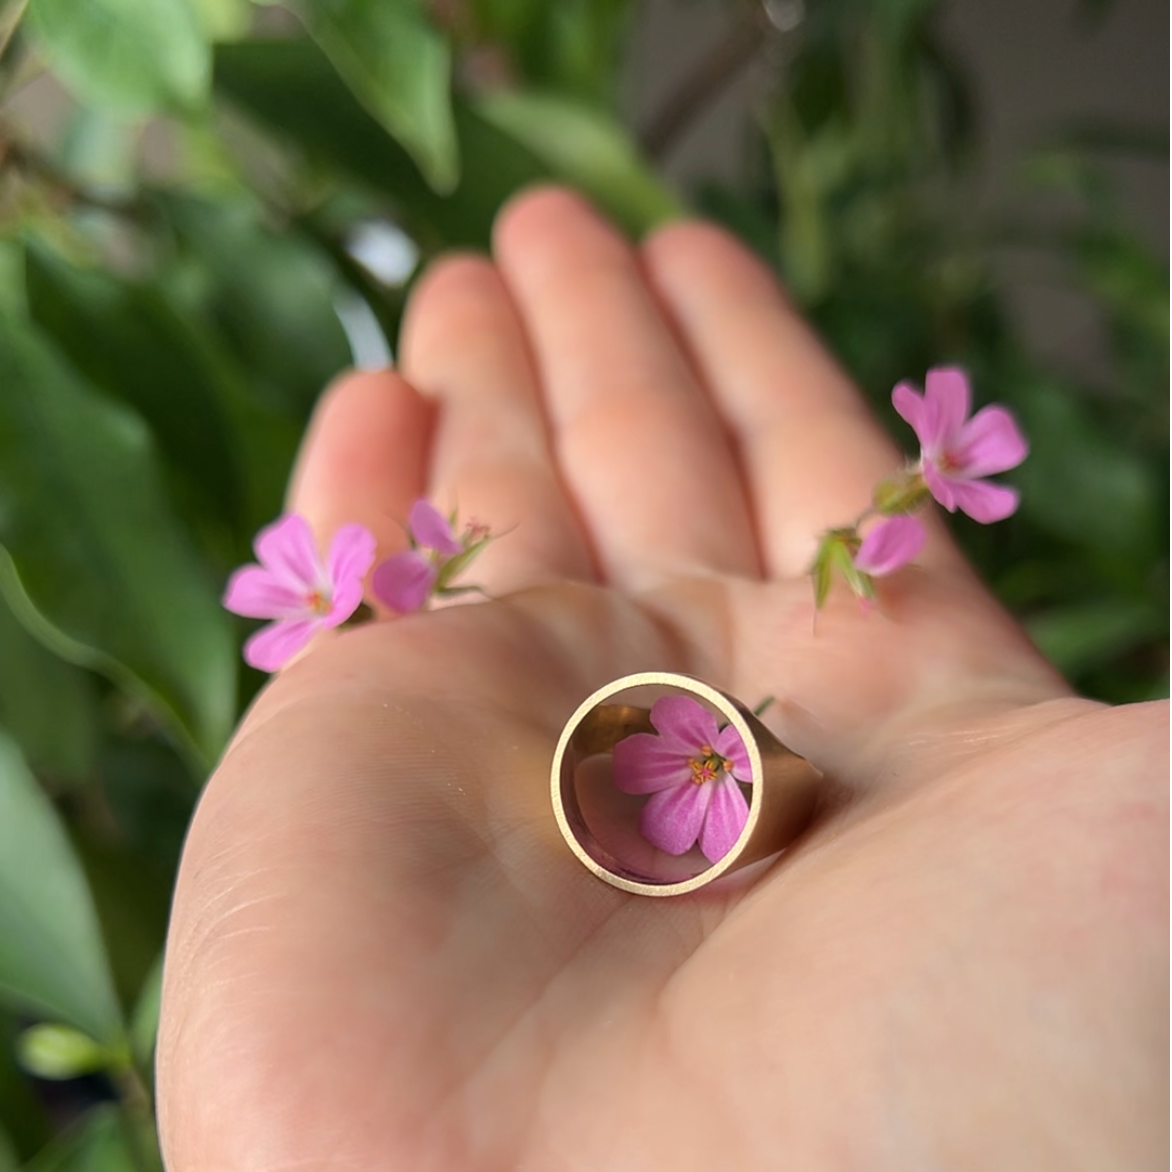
382	954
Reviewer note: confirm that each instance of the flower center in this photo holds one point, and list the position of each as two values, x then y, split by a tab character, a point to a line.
317	602
948	462
708	766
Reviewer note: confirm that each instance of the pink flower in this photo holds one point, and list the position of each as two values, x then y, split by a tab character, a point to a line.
294	587
404	582
431	529
890	545
407	580
958	451
691	770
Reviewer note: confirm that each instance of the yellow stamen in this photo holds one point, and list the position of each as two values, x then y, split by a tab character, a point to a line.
709	766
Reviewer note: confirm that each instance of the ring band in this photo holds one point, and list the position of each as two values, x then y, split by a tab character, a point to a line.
595	819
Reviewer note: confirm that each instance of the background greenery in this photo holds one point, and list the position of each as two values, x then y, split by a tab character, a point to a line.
164	328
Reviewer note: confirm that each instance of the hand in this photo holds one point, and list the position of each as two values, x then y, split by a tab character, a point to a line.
382	954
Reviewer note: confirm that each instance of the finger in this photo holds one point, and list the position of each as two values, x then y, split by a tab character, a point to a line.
462	345
641	448
364	458
813	453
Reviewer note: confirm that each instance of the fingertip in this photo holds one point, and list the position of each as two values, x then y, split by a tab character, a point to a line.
448	273
531	217
457	297
691	251
364	456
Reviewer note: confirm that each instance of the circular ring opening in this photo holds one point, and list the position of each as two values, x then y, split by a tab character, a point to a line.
656	783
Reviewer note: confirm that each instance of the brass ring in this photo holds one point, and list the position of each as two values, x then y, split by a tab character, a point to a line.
597	821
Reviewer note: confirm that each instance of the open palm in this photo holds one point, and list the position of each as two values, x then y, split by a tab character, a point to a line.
382	954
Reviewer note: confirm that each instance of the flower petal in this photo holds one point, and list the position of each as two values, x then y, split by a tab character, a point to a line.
683	722
257	593
990	442
984	501
273	646
430	528
946	404
940	486
729	745
644	764
727	814
909	405
404	581
286	547
345	602
351	555
893	543
672	818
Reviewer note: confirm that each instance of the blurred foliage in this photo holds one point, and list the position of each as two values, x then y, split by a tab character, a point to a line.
165	327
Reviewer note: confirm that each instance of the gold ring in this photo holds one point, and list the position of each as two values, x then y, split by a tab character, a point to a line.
601	821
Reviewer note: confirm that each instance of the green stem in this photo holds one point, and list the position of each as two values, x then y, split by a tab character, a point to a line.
137	1114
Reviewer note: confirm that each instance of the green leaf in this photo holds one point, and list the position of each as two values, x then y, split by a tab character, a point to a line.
588	149
1080	483
12	298
399	67
100	570
49	706
99	150
127	339
11	14
144	1023
131	56
1087	635
8	1160
99	1143
574	46
51	955
292	88
861	584
54	1051
823	576
224	20
23	1111
268	295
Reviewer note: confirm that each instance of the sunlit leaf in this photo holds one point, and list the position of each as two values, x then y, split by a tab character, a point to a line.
99	567
290	87
54	1051
588	149
399	66
52	959
223	20
132	57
